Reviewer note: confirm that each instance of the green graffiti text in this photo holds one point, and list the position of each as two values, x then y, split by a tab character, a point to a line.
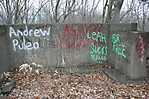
97	36
98	53
117	46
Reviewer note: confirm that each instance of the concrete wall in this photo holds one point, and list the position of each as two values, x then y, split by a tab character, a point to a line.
4	51
67	46
134	65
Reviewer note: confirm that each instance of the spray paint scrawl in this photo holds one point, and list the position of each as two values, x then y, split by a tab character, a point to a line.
24	44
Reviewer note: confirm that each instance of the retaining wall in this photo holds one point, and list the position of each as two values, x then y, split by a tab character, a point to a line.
75	46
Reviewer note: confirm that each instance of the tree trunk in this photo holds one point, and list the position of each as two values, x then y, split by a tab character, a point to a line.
116	11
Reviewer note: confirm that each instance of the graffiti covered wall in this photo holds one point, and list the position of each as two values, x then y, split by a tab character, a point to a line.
74	45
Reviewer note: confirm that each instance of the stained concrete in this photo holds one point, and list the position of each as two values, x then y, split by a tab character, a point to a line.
52	56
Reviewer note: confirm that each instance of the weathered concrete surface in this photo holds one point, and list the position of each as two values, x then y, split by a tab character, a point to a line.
4	51
8	58
68	47
132	66
137	67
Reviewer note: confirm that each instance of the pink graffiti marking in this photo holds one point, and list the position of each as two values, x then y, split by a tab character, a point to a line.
75	36
140	47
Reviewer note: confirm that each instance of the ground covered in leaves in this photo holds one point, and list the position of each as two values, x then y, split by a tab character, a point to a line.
67	86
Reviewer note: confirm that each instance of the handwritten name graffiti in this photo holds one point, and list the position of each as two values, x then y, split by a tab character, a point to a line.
20	38
117	46
100	53
140	47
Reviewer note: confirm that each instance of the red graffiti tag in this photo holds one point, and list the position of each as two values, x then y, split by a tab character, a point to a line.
140	47
74	36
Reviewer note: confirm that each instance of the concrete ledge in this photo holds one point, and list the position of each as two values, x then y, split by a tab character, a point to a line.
123	78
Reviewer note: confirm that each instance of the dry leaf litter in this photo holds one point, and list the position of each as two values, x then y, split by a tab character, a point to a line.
32	83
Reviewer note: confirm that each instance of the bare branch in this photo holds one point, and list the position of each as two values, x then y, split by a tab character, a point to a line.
104	11
96	6
56	11
42	5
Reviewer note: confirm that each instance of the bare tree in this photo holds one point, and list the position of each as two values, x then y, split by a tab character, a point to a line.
111	11
18	11
14	11
61	9
42	4
144	3
116	11
137	12
130	5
